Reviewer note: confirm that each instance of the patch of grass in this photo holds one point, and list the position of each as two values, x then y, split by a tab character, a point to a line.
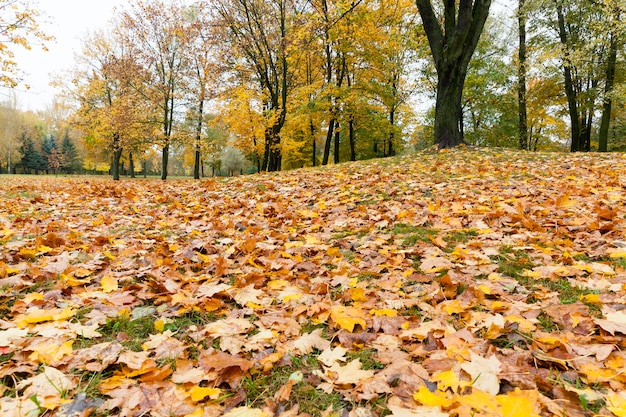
367	358
460	236
130	333
310	400
512	262
190	318
547	323
413	234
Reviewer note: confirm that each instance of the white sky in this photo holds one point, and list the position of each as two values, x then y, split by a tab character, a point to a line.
68	21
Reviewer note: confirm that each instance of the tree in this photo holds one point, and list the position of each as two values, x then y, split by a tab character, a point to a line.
203	73
614	11
156	34
452	46
258	36
18	26
30	156
71	163
521	76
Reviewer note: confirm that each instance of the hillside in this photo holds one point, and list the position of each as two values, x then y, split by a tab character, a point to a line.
468	282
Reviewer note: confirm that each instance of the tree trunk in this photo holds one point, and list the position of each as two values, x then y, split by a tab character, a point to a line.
196	161
313	142
117	155
132	164
165	155
448	131
329	140
452	46
570	92
521	78
392	122
336	144
115	166
351	135
607	102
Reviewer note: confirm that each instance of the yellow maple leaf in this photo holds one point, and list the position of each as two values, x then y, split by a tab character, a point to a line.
36	315
51	352
347	317
617	404
200	393
447	379
109	284
519	403
482	401
388	312
431	399
198	412
159	325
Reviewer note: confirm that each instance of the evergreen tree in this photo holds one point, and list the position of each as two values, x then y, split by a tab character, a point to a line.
71	163
49	149
30	155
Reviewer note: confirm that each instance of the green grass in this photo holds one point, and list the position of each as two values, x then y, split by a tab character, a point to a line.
130	333
309	399
413	234
367	358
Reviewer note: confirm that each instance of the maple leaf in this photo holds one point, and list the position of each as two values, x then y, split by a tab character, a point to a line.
347	317
484	373
351	373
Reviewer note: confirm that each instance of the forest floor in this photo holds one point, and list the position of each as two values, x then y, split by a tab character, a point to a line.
463	283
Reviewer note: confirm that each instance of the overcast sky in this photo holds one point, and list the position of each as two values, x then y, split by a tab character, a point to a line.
68	21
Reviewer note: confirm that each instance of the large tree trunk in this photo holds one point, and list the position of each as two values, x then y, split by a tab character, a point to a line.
521	78
448	118
452	46
607	102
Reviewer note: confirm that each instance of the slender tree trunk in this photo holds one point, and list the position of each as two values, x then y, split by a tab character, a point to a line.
351	135
607	102
165	155
336	143
521	78
392	122
117	155
570	92
196	162
329	140
132	165
313	142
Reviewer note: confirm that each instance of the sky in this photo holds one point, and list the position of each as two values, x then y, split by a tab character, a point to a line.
69	21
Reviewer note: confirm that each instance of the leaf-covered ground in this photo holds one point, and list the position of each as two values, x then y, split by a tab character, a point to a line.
462	283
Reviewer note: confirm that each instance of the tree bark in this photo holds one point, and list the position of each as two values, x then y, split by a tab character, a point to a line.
117	155
452	47
165	155
570	92
607	102
336	144
351	135
329	139
521	78
131	162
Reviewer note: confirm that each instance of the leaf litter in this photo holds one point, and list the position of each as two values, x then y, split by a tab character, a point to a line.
461	283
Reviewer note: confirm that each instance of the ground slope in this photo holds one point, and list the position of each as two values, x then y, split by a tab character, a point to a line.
468	282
